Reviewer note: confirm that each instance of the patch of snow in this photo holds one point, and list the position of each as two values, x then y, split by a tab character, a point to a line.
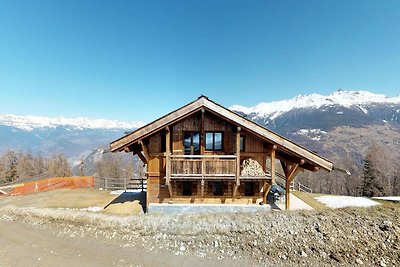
342	98
391	198
363	109
93	209
28	123
336	202
310	131
384	121
119	192
339	112
316	138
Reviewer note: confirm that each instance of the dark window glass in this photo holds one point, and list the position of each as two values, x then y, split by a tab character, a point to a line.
187	188
163	142
187	142
214	141
242	143
191	143
218	141
196	142
209	141
217	189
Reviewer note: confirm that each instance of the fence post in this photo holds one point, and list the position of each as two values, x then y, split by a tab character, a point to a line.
125	183
142	184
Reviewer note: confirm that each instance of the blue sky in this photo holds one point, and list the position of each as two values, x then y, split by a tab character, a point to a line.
137	60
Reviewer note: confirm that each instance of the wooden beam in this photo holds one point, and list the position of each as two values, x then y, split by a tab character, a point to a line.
235	189
202	189
202	137
238	156
290	174
273	166
145	151
141	157
266	188
168	160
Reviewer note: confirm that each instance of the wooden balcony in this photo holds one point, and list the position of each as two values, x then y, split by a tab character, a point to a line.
202	167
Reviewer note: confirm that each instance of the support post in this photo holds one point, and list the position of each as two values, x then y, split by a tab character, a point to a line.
290	173
273	164
202	137
168	160
238	130
202	189
145	151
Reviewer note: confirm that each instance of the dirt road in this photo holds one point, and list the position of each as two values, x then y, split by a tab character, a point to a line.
26	245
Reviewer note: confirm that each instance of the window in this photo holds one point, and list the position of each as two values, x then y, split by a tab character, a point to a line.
163	141
187	188
191	143
242	142
214	141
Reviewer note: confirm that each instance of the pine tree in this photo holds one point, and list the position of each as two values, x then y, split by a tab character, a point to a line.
371	187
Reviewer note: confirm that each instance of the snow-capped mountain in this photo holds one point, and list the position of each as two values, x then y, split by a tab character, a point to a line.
348	99
314	111
74	137
342	124
28	123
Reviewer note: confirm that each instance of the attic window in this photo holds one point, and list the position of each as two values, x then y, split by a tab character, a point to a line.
214	140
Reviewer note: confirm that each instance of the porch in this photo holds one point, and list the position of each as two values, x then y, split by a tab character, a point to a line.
207	167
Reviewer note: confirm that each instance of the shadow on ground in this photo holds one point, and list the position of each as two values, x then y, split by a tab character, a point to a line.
130	197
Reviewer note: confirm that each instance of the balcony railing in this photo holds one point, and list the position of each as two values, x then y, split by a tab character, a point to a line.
202	166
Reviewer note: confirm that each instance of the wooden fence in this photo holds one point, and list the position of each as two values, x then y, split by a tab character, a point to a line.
109	183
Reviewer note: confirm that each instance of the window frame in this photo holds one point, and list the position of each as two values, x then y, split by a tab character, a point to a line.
213	141
242	137
191	142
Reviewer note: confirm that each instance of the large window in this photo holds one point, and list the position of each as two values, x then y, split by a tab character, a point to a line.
214	141
191	143
242	142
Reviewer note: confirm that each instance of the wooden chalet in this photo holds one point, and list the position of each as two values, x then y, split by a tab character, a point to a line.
195	155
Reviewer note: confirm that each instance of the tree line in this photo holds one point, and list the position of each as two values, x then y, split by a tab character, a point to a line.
377	174
19	165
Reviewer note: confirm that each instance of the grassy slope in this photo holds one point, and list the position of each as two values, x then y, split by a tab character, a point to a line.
75	199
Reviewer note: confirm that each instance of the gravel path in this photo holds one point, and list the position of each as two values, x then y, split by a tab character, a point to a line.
343	237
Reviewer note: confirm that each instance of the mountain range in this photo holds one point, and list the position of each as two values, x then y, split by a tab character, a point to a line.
76	138
343	123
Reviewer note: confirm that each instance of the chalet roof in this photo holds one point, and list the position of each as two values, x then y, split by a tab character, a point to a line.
203	102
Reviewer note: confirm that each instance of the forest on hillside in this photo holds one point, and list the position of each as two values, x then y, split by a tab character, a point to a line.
20	166
378	174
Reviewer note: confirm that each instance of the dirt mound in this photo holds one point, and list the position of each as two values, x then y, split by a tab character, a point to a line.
308	238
